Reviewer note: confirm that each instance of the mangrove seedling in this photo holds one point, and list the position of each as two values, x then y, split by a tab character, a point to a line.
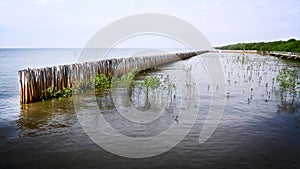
288	84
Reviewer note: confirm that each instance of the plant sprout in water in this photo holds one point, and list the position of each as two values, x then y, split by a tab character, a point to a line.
288	83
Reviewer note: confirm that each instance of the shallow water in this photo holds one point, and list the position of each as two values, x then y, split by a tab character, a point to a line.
257	129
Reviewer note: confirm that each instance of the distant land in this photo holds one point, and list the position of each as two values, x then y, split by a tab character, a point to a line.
291	45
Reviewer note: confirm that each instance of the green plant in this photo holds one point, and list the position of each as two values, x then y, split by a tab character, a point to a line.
57	94
152	82
291	45
49	90
67	92
287	79
168	85
102	82
126	80
99	83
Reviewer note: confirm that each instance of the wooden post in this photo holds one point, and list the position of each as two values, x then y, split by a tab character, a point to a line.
34	83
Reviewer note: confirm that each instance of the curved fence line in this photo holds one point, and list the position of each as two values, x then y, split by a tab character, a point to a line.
34	83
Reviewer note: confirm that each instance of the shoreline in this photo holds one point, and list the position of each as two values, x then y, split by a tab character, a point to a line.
279	54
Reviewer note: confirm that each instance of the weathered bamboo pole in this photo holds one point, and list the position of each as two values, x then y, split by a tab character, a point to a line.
36	83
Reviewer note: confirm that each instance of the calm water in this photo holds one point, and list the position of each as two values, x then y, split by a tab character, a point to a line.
257	129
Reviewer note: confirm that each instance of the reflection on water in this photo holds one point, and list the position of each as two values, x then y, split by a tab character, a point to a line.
46	117
257	130
123	108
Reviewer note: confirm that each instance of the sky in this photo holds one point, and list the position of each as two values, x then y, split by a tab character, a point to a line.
71	23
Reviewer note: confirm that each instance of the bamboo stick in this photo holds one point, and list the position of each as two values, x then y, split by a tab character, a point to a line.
34	83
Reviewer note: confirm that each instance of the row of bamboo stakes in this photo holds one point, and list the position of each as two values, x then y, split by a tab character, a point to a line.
34	83
285	55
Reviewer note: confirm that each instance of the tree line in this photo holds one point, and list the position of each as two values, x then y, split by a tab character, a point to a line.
291	45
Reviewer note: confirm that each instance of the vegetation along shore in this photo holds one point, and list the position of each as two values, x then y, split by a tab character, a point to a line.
291	45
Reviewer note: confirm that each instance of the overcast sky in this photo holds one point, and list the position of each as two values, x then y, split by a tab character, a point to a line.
71	23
